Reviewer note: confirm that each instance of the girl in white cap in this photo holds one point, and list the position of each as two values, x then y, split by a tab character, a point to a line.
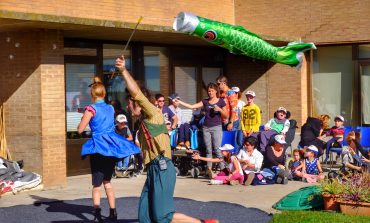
232	173
311	168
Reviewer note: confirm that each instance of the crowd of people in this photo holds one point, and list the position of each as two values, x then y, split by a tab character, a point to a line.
258	155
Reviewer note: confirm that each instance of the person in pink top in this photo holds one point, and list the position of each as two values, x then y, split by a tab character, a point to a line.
232	173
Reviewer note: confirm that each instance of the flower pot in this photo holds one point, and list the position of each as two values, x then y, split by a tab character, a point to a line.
355	208
330	202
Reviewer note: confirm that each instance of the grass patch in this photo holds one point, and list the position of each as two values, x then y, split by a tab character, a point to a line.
317	217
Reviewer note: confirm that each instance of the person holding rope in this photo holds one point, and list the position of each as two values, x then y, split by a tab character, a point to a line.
156	201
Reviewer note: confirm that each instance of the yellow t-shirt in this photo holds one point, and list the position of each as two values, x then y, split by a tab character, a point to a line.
250	118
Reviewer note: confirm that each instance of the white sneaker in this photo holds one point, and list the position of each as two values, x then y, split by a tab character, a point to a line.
216	182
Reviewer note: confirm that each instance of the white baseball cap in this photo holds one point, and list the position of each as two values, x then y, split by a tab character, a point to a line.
339	117
121	118
313	149
235	89
280	139
251	93
282	109
226	147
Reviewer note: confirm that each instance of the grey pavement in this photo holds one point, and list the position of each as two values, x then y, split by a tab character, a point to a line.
78	187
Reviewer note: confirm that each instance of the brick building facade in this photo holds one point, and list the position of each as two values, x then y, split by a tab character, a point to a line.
41	42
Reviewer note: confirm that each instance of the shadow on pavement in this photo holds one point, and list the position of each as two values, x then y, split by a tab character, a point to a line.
80	210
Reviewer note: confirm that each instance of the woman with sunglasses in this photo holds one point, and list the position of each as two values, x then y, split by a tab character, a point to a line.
214	108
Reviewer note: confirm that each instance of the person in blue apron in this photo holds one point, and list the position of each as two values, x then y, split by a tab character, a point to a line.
105	147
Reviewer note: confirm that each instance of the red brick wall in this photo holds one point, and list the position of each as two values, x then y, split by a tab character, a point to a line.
32	90
275	85
154	11
328	21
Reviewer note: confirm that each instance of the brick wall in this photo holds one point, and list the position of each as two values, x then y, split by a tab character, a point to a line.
53	108
248	74
154	11
32	90
20	93
329	21
275	85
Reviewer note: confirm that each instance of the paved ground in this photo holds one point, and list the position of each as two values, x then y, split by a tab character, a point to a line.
260	197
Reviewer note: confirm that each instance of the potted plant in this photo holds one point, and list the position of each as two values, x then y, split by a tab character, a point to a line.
355	199
331	189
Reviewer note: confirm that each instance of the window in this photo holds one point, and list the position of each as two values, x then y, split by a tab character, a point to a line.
332	82
186	83
209	74
155	67
78	78
114	83
364	51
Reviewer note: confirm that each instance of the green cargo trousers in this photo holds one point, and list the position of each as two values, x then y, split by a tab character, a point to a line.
156	202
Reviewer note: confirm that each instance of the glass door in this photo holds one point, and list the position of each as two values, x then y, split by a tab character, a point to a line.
365	93
78	79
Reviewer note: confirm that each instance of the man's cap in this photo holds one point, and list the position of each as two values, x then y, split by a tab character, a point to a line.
174	96
313	149
121	118
339	117
280	139
282	109
251	93
235	89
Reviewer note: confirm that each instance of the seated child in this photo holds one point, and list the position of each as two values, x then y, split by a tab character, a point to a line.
311	168
295	166
352	155
337	133
278	125
123	130
232	173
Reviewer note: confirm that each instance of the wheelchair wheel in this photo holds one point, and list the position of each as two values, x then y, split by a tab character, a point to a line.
194	172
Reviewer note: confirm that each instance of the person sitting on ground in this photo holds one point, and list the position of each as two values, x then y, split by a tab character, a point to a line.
295	165
275	160
311	132
123	130
167	113
183	126
250	116
311	168
232	174
352	155
279	125
250	159
337	132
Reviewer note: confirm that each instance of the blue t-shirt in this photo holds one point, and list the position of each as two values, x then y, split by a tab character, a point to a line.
212	117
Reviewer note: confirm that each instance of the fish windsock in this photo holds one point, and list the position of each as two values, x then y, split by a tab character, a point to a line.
238	40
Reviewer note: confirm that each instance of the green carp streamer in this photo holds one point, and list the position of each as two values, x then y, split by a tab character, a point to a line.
238	40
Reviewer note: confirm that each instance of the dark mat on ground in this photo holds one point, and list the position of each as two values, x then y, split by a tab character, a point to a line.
80	210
